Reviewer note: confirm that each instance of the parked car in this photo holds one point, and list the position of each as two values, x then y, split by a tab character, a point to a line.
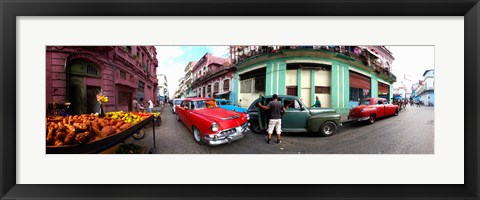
227	104
209	123
176	102
297	118
372	108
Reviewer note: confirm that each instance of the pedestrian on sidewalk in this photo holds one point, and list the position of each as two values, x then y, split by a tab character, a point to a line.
150	106
276	111
135	105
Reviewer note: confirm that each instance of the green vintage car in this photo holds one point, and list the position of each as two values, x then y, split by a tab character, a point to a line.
297	118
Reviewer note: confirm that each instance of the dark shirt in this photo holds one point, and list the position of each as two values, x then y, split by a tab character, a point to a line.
275	108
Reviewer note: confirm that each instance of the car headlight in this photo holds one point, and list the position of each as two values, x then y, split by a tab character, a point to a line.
214	127
248	117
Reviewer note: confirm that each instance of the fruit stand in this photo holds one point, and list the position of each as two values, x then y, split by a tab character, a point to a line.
95	144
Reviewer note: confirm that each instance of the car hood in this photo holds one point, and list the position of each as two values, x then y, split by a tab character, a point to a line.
236	108
225	118
316	111
218	113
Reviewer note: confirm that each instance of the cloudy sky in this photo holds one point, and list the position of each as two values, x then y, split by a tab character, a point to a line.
172	60
411	62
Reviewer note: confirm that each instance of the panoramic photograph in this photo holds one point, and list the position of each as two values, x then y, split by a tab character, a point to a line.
323	99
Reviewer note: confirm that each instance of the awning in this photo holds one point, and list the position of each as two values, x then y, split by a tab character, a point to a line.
222	93
373	53
383	88
359	81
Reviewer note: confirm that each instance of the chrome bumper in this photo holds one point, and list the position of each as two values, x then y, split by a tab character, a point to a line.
358	118
224	137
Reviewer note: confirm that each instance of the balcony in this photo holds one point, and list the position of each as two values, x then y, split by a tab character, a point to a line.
123	54
243	54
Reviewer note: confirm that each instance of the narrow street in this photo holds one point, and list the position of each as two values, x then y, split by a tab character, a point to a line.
411	132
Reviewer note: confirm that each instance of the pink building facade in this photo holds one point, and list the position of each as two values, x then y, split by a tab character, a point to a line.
211	75
77	74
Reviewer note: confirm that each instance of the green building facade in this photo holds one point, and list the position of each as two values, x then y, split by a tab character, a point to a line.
308	73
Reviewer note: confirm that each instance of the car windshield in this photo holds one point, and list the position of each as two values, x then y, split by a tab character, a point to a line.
204	104
177	102
366	102
224	103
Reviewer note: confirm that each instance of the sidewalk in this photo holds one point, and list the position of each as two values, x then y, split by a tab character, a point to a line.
159	108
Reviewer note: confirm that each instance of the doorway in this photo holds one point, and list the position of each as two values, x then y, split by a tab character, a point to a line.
93	106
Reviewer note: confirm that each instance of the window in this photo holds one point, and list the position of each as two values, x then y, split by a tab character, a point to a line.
123	75
366	102
322	90
92	69
226	85
290	103
140	90
216	87
246	86
292	90
259	84
357	94
379	102
80	67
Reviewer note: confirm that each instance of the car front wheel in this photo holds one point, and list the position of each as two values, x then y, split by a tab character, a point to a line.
197	136
371	119
255	127
178	118
328	129
396	112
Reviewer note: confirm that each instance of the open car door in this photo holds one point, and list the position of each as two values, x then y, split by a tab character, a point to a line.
262	116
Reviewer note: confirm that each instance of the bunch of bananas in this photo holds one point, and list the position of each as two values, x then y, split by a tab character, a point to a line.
103	99
156	114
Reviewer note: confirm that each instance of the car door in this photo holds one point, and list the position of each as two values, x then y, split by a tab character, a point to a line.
179	110
295	116
389	110
380	107
187	113
262	114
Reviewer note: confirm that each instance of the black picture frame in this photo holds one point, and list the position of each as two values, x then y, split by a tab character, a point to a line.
11	9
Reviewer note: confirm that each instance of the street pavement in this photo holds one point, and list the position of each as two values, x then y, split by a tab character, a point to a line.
411	132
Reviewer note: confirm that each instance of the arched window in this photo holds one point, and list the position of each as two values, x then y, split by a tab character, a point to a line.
84	68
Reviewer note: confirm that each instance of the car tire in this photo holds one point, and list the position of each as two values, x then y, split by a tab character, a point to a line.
371	119
255	127
176	117
328	129
396	112
197	136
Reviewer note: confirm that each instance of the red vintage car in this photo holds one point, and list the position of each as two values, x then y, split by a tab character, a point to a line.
209	123
372	108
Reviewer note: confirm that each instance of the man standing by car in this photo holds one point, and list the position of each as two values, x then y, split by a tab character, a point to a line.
317	104
275	109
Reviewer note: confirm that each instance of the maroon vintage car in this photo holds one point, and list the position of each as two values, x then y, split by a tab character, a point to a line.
372	108
209	123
